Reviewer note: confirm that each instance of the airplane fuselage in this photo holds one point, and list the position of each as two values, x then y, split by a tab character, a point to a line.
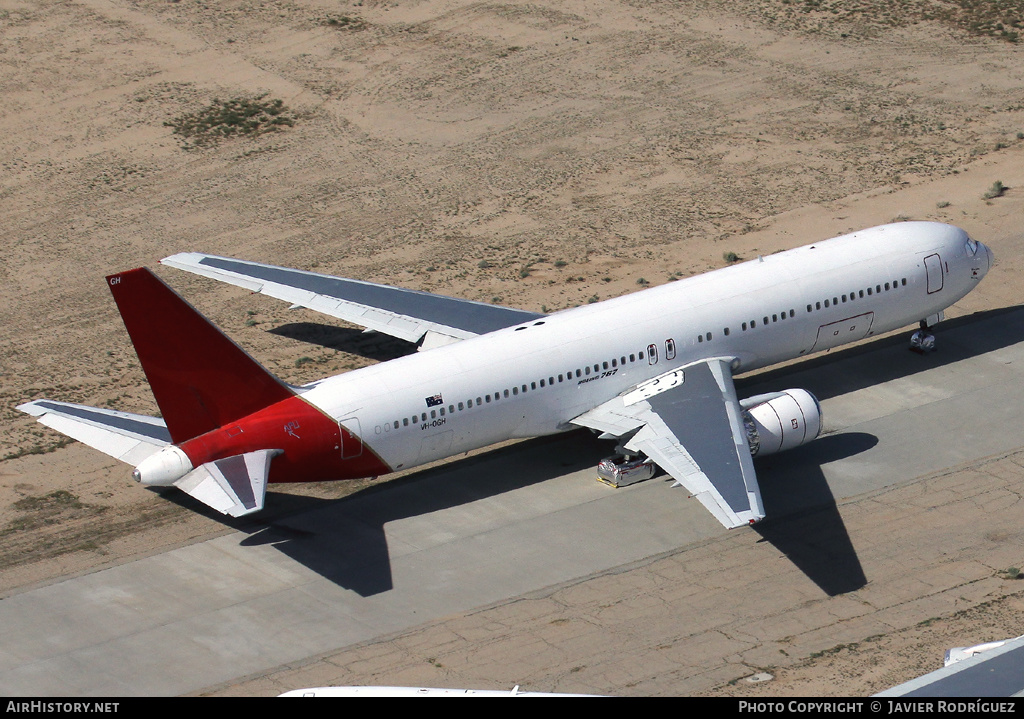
533	379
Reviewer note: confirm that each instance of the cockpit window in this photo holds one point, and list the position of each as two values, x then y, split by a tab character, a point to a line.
972	247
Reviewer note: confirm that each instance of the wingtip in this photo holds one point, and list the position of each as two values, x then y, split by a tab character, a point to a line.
30	408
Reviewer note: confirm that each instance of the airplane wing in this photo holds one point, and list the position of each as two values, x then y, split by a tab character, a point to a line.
995	672
122	435
690	423
407	314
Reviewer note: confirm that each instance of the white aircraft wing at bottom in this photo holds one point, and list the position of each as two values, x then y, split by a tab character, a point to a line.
690	423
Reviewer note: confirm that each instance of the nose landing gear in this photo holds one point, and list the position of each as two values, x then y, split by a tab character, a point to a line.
922	341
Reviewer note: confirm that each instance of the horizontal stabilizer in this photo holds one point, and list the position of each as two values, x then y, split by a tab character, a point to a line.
124	436
233	485
410	315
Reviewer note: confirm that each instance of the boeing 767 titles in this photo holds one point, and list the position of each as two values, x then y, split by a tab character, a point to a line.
652	370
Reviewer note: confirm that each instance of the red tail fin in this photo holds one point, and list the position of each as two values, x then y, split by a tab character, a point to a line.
200	378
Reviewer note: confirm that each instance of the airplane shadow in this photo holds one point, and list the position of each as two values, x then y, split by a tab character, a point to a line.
372	345
848	370
803	521
345	540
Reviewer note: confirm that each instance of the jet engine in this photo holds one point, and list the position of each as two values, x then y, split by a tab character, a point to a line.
780	420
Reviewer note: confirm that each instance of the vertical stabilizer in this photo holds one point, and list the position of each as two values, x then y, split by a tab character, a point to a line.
201	379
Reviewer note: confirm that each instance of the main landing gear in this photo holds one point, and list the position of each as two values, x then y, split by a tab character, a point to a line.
923	341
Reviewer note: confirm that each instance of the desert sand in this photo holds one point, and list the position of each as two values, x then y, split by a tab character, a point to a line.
539	155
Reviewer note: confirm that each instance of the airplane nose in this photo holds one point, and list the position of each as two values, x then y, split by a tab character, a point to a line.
983	265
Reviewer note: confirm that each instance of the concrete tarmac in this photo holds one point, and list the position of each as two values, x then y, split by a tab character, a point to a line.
508	523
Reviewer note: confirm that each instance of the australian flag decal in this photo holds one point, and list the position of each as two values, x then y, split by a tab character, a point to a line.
434	401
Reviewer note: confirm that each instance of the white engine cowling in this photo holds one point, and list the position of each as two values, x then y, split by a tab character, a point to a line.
780	421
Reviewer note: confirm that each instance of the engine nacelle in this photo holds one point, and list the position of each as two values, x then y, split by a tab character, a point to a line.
780	421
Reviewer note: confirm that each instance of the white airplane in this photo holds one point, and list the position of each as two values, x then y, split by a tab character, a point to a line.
653	370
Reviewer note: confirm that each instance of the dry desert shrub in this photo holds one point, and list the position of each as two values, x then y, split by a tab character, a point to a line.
237	117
